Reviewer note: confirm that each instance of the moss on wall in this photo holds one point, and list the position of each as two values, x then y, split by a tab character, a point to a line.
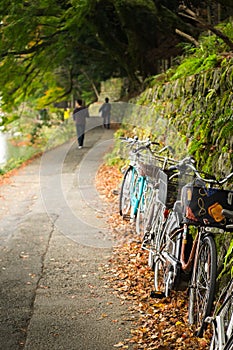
200	107
195	110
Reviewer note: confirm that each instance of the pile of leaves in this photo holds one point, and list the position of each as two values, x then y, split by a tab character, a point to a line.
160	324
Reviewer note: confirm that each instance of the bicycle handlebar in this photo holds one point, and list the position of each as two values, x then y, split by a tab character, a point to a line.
227	213
129	139
169	148
136	140
183	165
146	145
188	163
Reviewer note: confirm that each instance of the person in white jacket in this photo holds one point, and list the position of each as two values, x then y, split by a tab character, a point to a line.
105	111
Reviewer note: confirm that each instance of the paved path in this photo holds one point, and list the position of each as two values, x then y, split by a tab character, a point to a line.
53	240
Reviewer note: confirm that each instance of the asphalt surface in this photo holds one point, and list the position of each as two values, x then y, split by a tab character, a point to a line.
53	242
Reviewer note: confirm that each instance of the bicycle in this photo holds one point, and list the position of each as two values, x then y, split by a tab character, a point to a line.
177	257
150	168
134	183
157	209
222	319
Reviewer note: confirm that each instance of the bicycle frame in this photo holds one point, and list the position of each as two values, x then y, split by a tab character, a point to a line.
222	332
137	186
135	195
222	324
171	264
175	255
140	186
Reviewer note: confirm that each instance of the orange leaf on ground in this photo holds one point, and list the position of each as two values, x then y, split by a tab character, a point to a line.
157	324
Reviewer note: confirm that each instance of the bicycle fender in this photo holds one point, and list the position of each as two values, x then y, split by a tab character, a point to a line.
173	222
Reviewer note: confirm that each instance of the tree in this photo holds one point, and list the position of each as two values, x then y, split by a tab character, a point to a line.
50	49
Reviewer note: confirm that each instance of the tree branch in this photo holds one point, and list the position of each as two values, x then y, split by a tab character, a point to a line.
91	82
188	37
192	15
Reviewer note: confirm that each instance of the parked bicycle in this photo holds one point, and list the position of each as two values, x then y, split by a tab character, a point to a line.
151	170
134	183
222	319
155	203
177	256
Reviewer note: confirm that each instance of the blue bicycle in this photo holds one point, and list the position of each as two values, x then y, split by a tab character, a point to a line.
133	183
136	184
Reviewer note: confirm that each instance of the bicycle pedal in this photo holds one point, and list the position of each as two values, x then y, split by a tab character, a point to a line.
126	217
116	192
146	244
157	294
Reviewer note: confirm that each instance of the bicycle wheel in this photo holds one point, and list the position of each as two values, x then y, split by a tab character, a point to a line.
162	269
142	212
224	312
160	274
229	345
168	269
126	190
140	218
155	222
202	289
136	193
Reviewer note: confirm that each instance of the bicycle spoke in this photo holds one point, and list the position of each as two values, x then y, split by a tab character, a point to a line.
127	188
203	286
203	280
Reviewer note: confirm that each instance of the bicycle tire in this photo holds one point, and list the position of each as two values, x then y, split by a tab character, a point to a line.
138	185
224	310
229	345
161	267
143	209
168	278
202	289
126	190
140	218
160	273
155	231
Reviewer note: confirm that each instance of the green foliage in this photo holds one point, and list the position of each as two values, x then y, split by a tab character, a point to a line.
206	56
227	265
195	65
71	46
34	140
188	67
200	106
195	103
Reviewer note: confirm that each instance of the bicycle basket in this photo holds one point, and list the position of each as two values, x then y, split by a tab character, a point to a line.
149	166
168	188
170	185
204	206
132	156
172	190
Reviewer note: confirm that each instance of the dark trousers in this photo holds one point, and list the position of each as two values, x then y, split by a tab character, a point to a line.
107	122
80	130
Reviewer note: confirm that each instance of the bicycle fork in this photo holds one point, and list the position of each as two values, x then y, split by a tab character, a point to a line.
172	273
136	196
177	262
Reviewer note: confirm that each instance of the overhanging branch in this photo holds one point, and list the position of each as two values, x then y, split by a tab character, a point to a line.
195	17
188	37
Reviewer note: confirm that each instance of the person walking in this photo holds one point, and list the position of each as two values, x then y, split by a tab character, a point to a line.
105	111
80	114
66	114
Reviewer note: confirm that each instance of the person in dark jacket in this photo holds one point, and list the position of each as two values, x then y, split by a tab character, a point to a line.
80	114
105	111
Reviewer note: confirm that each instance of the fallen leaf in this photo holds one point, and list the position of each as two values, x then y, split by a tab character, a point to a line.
156	324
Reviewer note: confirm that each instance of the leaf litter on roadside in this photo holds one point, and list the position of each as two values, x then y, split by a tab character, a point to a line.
160	324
